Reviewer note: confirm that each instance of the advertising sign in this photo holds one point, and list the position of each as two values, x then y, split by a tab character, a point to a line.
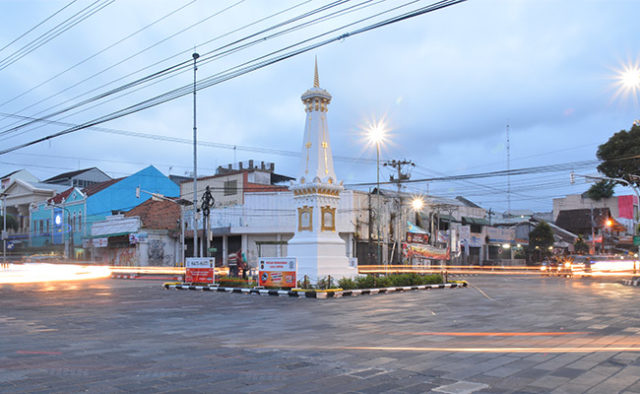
277	271
417	238
424	251
200	270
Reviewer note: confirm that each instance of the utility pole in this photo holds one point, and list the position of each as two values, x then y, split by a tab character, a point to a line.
401	176
195	162
207	203
370	226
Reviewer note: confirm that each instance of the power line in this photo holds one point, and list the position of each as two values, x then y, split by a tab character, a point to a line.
98	53
37	25
69	23
208	82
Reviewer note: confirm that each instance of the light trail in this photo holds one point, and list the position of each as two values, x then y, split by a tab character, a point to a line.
492	334
599	269
507	349
44	272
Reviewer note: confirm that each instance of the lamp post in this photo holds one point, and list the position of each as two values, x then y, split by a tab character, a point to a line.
195	162
377	134
68	232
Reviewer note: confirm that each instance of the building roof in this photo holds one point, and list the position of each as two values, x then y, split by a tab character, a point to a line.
9	174
467	202
157	215
93	189
57	199
69	174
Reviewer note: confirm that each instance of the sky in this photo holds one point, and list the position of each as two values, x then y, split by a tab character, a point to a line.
448	84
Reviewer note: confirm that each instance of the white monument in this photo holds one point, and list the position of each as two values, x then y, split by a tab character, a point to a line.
316	244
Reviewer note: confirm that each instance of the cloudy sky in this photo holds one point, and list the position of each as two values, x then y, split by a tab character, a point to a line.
447	83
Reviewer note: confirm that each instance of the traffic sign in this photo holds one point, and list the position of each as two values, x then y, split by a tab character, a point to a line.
636	240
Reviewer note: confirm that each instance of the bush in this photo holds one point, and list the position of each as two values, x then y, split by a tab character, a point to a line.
234	282
392	280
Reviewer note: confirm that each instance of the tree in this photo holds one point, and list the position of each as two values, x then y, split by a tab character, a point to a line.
581	246
620	155
540	239
601	189
12	223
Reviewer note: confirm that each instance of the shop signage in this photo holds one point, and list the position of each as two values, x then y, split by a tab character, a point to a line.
277	271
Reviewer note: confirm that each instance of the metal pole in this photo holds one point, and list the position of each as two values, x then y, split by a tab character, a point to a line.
182	235
379	205
195	163
4	229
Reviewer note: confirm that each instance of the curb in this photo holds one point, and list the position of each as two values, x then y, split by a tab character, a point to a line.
312	294
631	282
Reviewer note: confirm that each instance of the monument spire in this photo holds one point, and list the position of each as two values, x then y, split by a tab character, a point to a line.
316	163
316	79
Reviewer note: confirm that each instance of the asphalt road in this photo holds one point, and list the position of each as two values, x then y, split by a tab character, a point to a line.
502	334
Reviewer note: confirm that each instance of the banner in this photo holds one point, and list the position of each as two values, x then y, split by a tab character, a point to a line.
417	238
424	251
200	270
277	272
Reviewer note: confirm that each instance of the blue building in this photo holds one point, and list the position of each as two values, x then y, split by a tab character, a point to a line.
67	218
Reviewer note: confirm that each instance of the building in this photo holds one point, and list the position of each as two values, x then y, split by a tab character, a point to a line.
147	235
624	209
19	196
229	184
80	178
65	221
21	174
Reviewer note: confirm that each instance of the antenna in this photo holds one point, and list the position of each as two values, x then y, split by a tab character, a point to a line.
508	172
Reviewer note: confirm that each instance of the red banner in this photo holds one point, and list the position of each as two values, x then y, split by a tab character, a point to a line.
417	238
425	251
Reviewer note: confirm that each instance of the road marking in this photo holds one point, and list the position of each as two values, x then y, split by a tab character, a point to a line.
481	292
37	352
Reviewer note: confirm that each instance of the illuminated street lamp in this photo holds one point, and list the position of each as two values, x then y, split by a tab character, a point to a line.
377	133
417	204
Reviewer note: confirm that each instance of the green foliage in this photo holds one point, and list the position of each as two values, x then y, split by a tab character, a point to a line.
541	236
623	144
393	280
581	246
226	281
600	190
12	223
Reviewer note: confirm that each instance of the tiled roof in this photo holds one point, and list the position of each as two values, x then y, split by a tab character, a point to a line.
93	189
157	215
57	199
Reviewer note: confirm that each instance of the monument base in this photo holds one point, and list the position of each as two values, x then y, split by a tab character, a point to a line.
319	258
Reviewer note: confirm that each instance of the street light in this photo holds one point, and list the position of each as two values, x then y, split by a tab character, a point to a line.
377	133
58	220
417	204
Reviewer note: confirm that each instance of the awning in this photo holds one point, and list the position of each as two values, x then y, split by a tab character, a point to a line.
478	221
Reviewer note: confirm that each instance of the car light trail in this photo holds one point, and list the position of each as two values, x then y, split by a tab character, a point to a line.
491	334
43	272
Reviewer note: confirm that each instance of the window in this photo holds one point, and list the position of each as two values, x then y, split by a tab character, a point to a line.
48	226
41	225
79	221
230	188
476	228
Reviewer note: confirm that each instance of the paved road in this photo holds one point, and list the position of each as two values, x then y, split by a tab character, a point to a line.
503	334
